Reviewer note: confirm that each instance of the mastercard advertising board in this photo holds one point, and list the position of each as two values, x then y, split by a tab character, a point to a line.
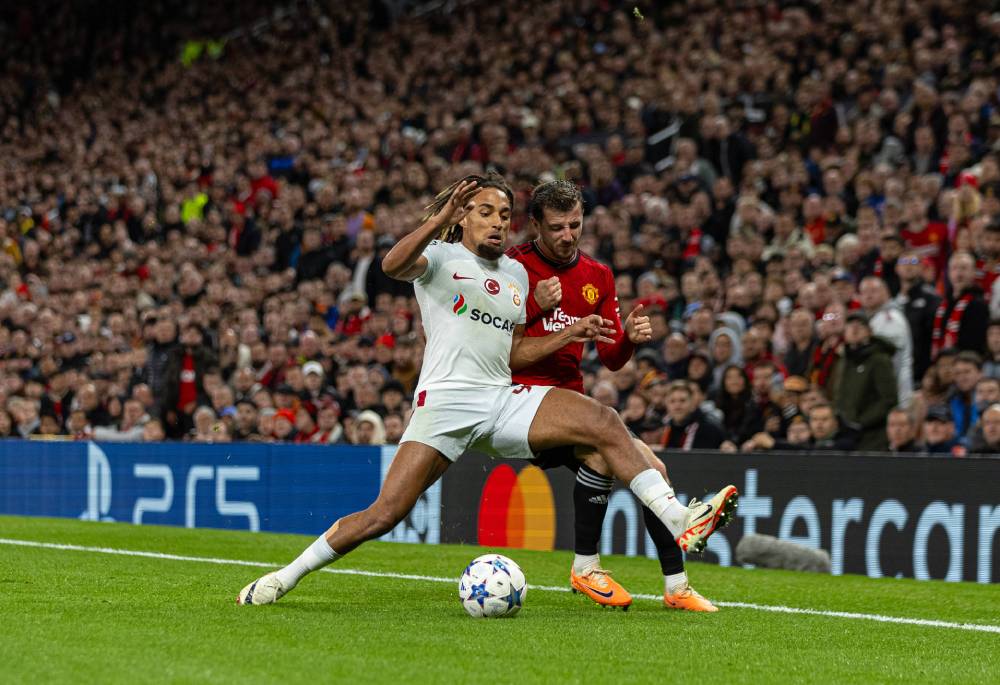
877	515
506	503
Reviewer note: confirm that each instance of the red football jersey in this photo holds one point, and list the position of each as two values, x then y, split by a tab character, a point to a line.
588	287
930	243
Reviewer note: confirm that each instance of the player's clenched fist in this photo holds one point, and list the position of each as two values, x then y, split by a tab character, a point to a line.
637	327
548	293
593	327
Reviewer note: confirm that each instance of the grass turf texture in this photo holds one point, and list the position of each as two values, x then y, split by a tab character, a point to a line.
88	617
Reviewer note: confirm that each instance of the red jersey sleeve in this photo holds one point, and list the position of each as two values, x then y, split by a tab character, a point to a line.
532	311
613	355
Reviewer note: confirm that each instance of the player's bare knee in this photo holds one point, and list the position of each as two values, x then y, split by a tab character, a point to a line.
609	429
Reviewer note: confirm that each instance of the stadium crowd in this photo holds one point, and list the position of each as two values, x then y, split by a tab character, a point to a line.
804	196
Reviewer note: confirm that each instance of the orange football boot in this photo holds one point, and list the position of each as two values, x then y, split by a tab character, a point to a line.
704	518
689	600
600	587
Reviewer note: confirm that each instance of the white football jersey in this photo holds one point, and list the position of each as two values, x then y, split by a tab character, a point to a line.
469	307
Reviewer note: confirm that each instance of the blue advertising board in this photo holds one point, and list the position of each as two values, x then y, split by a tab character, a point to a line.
281	488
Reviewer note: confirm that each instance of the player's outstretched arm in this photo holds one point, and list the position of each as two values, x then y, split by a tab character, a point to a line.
405	261
525	351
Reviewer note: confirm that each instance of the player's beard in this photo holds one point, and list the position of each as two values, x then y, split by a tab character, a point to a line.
487	251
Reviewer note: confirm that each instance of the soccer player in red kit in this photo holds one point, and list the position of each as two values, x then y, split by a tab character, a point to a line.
566	285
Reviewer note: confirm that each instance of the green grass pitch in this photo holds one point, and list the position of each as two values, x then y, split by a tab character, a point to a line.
87	617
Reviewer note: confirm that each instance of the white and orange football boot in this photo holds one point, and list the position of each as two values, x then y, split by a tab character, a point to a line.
600	587
704	518
687	599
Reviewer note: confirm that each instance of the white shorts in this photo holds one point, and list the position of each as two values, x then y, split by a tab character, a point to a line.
490	420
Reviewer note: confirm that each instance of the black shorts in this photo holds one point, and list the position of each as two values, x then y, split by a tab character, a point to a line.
564	455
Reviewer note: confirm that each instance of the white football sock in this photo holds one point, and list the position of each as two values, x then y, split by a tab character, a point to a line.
675	582
654	491
585	563
316	556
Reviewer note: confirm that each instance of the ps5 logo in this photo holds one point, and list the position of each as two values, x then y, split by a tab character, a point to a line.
98	485
99	490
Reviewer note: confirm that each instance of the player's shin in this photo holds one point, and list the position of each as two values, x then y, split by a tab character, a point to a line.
667	549
654	492
316	556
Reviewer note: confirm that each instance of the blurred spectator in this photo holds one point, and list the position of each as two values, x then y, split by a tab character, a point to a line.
305	425
394	427
206	425
724	347
961	320
989	440
939	431
152	431
734	400
867	388
826	431
284	425
744	171
245	423
802	342
130	426
369	429
825	370
687	427
184	382
966	370
329	431
920	303
901	433
887	322
799	438
991	367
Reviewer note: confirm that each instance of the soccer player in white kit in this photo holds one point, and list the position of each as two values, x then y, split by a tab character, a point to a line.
472	301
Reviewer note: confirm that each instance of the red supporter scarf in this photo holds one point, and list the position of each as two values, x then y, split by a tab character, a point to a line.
946	335
689	433
823	364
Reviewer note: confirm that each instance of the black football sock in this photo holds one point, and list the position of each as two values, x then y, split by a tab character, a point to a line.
590	501
671	557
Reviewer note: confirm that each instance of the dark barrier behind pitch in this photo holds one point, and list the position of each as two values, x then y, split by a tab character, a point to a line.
877	515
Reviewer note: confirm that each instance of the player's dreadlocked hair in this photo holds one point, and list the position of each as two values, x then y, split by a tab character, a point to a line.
561	196
492	179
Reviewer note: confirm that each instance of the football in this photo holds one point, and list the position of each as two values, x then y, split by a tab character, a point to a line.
492	586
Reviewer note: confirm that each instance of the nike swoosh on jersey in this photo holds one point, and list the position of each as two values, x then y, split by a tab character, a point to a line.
462	278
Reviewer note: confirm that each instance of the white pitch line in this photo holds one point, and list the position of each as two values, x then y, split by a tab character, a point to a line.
978	627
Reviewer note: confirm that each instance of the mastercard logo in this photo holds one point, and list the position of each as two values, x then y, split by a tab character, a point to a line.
517	509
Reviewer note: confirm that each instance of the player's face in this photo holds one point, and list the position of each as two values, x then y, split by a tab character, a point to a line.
559	232
484	229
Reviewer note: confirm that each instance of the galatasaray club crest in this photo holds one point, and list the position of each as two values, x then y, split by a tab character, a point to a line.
515	294
590	293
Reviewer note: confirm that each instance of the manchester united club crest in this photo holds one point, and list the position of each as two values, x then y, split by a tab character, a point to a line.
515	294
590	293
